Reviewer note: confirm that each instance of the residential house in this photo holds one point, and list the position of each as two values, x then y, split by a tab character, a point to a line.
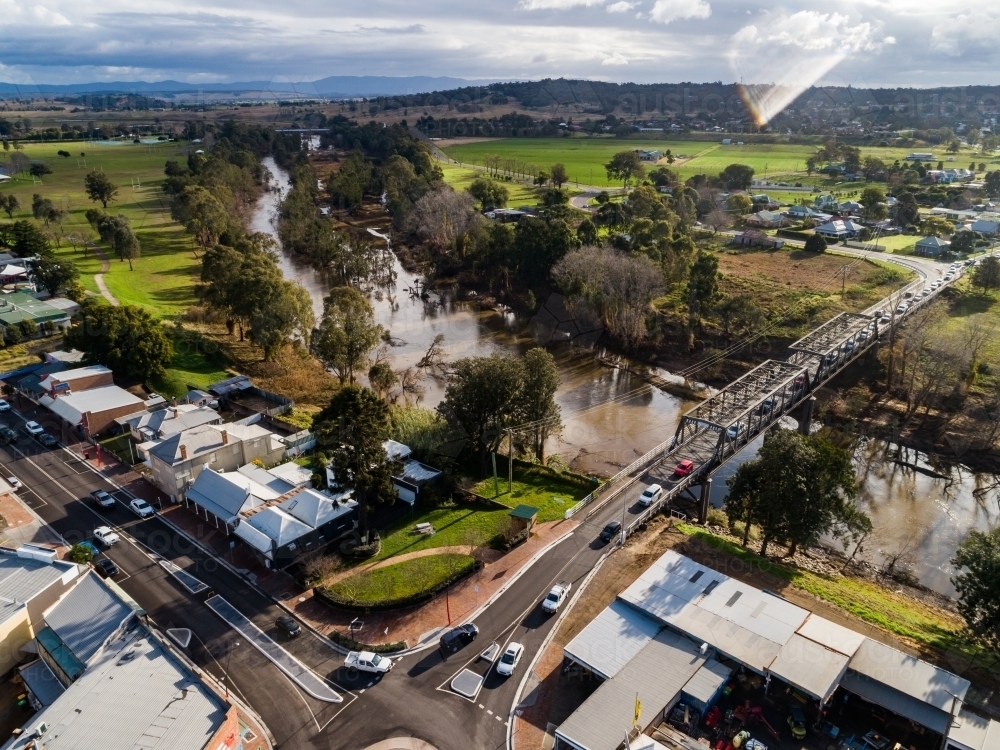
648	155
78	379
17	307
413	476
850	208
839	229
201	398
160	424
756	238
177	461
95	410
826	202
985	227
800	213
303	521
103	679
931	247
31	581
766	219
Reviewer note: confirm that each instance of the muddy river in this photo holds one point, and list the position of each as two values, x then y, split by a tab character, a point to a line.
611	416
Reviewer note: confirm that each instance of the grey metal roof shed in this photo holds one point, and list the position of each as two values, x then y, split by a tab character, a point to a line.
656	675
611	640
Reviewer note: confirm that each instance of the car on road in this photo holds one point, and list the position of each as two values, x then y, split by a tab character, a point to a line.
684	468
800	381
31	429
106	536
508	662
366	661
610	531
13	482
7	435
141	507
848	347
908	295
102	498
902	308
556	596
289	626
936	284
878	314
766	405
949	276
458	638
47	440
735	430
105	568
649	495
4	406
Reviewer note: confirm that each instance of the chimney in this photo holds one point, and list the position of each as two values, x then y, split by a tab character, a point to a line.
184	453
225	437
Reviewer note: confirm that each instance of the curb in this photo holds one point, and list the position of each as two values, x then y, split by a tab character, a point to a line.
496	594
545	644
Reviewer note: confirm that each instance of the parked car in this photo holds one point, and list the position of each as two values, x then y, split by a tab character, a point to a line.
105	568
556	596
47	440
611	531
7	435
366	661
649	495
106	536
458	638
31	429
508	662
14	482
4	406
102	498
141	507
289	626
684	468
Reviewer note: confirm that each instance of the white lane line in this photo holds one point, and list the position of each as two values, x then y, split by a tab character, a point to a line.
489	712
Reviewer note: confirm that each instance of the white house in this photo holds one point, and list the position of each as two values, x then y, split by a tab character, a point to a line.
839	229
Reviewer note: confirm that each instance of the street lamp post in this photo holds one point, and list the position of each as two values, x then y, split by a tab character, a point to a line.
229	659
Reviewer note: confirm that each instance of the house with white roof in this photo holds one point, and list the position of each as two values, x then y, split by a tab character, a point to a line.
94	410
839	229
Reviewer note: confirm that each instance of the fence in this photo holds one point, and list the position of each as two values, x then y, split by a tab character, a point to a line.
641	461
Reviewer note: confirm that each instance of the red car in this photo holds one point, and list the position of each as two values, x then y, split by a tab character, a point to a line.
684	468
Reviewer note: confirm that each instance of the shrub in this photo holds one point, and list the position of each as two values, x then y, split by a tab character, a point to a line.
352	645
80	553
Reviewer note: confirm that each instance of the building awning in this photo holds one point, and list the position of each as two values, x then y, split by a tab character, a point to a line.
44	685
812	668
525	512
707	681
11	270
897	702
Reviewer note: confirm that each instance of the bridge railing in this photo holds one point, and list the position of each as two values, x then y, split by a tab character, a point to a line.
609	487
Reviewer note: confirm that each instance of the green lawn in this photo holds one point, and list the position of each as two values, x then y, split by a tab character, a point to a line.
898	614
542	488
164	277
402	581
585	158
461	177
464	524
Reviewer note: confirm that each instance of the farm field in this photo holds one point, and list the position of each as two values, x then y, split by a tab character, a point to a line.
461	177
584	158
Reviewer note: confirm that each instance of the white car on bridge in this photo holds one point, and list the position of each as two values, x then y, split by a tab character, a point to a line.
649	495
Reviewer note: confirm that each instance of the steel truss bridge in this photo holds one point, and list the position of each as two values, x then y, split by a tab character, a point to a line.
722	425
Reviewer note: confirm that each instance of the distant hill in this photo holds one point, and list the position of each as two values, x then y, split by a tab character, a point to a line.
332	86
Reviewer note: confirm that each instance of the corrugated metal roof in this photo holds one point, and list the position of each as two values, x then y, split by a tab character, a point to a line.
707	681
135	696
611	639
810	667
278	525
22	578
418	473
87	616
94	401
314	508
42	683
899	703
975	732
741	621
909	675
225	494
256	539
830	634
656	674
266	478
291	473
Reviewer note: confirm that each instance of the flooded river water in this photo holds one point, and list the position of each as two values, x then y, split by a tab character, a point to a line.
612	416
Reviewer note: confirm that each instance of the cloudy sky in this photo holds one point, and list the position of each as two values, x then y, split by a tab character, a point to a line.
864	43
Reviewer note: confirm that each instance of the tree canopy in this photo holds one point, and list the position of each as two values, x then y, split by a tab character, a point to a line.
978	585
126	339
796	490
347	333
625	166
489	192
99	188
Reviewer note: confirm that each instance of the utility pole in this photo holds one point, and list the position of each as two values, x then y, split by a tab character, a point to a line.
510	461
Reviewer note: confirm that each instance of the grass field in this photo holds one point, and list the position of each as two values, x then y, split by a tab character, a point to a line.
163	279
461	177
585	158
539	487
458	525
403	580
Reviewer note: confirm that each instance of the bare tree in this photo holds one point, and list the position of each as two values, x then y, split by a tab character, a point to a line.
617	286
443	217
434	356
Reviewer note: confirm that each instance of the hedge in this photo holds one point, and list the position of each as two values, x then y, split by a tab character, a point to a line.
352	645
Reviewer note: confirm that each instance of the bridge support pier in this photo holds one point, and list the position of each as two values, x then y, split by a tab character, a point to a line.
807	415
706	494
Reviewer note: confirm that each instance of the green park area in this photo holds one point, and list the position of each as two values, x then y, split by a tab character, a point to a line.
584	158
164	276
403	583
461	177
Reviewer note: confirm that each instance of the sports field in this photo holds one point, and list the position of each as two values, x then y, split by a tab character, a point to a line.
585	158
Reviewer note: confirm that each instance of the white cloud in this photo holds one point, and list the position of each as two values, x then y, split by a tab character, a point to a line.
557	4
620	7
814	31
616	59
666	11
959	33
50	17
